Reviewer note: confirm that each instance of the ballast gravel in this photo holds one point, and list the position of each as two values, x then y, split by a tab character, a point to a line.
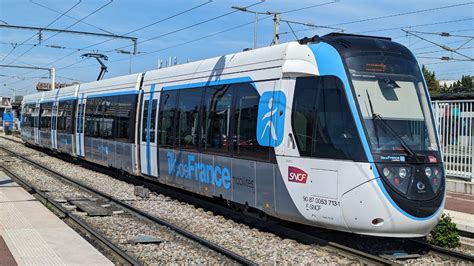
261	247
173	248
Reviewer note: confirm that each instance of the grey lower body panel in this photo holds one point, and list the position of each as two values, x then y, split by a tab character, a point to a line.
65	143
45	139
28	135
253	183
110	153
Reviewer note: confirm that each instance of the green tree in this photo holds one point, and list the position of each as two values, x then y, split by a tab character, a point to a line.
431	81
465	84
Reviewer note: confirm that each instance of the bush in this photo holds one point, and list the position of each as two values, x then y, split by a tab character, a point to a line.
445	234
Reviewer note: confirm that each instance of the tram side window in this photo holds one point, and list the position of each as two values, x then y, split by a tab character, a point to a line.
145	119
46	110
217	114
65	117
91	114
322	121
189	105
167	118
108	119
146	108
303	113
28	115
125	117
245	121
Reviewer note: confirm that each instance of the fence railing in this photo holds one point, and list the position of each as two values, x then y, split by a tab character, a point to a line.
455	125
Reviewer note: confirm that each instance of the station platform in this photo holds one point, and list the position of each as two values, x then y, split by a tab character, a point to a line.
460	207
32	235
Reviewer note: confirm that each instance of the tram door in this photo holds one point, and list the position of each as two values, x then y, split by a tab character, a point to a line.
54	126
36	118
148	138
81	107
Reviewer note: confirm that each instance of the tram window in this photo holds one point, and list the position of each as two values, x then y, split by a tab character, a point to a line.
97	117
303	113
80	120
167	118
65	116
144	119
125	114
326	130
46	110
28	115
92	122
152	118
188	110
216	126
154	107
245	120
108	120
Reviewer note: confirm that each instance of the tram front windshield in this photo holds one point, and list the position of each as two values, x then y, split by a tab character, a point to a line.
394	106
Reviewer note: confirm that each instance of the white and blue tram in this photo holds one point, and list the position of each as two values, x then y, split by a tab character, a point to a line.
335	132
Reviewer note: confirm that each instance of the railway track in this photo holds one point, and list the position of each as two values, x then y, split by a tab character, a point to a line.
113	251
364	257
137	212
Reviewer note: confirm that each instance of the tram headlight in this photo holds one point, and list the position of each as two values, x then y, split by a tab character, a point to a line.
428	172
397	176
435	177
386	171
402	172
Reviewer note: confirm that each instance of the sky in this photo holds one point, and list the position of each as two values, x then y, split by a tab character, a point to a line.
192	30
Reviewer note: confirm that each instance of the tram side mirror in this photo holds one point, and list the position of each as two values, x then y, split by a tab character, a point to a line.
387	87
388	83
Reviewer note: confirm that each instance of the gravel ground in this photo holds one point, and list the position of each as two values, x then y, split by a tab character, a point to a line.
256	245
173	248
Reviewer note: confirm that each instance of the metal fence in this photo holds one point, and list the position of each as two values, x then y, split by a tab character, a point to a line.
455	125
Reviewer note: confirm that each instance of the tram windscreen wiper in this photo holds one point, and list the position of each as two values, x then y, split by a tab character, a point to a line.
389	129
394	134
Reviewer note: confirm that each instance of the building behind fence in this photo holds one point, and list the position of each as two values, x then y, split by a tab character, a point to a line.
455	124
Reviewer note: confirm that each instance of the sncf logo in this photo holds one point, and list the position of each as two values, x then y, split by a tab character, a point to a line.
297	175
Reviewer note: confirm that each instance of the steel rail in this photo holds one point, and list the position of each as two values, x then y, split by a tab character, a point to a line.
364	256
445	251
65	214
154	219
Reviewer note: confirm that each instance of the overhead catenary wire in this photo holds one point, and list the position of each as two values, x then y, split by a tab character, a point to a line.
90	14
51	23
440	45
71	17
443	34
245	24
170	47
439	51
418	25
187	27
402	14
71	66
141	28
156	22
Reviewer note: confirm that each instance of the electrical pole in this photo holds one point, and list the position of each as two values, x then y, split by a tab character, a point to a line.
52	72
276	23
276	28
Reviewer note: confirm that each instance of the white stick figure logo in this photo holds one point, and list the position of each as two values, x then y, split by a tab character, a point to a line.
269	123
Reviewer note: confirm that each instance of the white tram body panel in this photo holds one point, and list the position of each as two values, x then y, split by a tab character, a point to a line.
278	129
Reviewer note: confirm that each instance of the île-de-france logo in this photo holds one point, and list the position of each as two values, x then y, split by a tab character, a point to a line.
271	118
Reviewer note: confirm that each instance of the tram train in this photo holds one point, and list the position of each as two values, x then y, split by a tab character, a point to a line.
334	131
